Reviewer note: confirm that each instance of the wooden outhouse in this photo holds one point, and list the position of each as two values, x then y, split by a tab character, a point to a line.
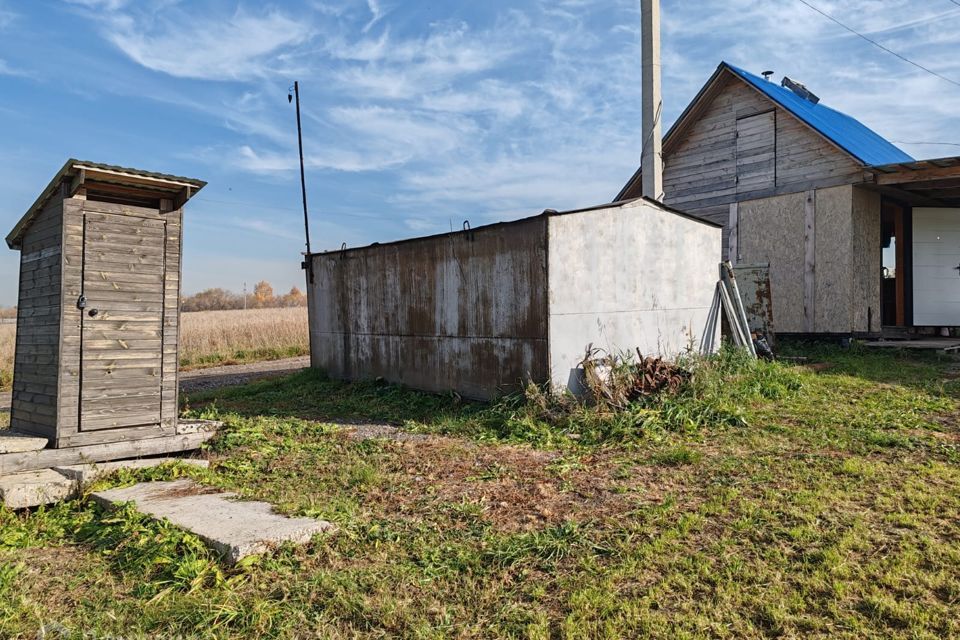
99	306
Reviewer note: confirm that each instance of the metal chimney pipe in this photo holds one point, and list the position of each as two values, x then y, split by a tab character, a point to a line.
652	161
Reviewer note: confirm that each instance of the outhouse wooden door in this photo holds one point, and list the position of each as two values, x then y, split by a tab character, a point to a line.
121	349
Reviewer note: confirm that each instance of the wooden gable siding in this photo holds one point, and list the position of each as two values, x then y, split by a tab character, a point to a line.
34	405
756	151
700	169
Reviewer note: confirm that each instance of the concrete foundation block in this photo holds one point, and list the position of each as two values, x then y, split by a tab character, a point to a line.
34	488
87	473
198	426
233	528
13	442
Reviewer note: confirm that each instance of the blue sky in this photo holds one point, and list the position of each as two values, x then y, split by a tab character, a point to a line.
417	114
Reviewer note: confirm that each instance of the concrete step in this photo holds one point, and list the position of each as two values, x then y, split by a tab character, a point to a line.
234	528
34	488
46	486
14	442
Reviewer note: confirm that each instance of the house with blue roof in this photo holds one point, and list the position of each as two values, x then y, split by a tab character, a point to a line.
860	237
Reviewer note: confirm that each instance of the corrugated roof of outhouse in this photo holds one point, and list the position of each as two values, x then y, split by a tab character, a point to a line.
72	165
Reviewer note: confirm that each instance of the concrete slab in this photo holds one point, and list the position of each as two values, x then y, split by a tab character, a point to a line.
234	528
34	488
13	442
198	426
87	473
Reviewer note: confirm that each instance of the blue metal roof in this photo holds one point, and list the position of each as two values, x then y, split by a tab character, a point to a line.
847	133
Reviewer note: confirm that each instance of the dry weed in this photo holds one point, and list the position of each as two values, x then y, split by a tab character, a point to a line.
8	334
228	335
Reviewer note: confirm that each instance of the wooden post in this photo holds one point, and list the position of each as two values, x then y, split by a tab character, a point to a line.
901	274
652	161
733	240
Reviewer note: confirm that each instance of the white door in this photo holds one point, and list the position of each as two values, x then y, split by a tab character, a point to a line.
936	267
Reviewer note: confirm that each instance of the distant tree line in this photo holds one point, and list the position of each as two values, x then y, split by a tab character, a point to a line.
8	312
262	297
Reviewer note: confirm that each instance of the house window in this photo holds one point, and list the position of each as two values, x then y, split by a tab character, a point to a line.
757	152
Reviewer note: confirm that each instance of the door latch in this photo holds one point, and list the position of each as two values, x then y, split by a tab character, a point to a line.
82	303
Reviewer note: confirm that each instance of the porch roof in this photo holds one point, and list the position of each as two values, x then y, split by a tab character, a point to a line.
924	183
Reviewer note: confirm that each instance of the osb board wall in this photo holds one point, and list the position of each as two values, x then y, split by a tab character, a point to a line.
464	312
866	252
772	230
834	268
34	404
845	246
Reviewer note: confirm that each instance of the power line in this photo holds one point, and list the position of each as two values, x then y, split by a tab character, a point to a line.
956	2
880	46
944	144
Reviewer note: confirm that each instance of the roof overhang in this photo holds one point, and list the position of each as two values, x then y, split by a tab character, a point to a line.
79	176
925	183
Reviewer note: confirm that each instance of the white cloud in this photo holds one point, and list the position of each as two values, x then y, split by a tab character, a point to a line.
6	16
241	46
107	5
376	14
529	107
265	227
7	70
367	139
393	69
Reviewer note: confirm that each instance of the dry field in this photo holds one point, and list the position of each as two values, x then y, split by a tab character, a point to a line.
223	337
215	337
8	333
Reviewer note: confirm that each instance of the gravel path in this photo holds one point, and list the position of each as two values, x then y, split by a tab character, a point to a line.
226	376
236	374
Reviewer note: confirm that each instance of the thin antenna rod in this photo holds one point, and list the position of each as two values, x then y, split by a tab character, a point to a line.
303	180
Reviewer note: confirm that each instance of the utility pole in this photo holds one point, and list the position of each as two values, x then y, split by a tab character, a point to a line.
308	263
652	161
244	296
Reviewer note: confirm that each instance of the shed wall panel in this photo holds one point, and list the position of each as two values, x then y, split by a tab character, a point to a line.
626	278
867	259
465	312
772	231
844	280
34	406
834	260
131	258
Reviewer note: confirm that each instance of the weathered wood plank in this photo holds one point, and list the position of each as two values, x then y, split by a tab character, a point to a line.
45	458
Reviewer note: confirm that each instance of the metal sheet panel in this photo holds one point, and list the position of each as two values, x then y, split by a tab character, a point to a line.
464	312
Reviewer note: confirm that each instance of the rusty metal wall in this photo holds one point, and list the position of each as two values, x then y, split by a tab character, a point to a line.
464	312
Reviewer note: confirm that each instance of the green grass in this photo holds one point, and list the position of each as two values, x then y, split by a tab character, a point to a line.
764	501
